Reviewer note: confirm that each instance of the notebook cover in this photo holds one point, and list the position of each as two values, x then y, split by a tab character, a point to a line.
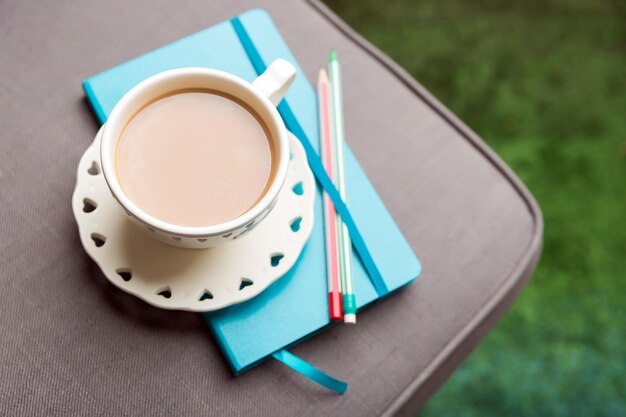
295	306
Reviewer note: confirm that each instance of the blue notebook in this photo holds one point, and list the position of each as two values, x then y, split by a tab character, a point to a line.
296	306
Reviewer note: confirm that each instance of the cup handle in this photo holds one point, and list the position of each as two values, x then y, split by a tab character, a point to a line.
276	80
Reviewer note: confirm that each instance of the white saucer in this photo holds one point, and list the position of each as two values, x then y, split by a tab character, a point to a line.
190	279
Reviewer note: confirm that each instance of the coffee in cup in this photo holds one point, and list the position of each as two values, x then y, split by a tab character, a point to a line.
195	158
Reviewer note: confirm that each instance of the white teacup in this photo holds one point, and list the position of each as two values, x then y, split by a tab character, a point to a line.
262	96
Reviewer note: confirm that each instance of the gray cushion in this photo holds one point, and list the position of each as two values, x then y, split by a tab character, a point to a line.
72	344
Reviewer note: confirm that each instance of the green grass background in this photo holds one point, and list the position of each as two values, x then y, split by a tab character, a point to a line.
544	84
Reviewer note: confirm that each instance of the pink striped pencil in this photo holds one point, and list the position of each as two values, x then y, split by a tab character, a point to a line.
330	216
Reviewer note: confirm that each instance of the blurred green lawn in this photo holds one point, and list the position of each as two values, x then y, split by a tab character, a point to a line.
544	83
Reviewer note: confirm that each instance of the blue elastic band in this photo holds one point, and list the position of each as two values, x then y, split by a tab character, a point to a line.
311	372
316	165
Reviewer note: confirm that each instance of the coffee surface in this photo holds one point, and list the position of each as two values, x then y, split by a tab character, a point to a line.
194	159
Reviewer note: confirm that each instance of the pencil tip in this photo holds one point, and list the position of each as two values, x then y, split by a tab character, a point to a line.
332	56
323	76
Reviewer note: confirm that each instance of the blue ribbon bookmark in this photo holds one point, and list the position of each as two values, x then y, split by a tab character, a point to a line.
311	372
316	165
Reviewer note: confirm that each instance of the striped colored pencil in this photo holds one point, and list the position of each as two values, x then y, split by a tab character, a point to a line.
330	215
345	244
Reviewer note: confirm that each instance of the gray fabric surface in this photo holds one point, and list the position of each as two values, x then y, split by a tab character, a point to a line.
72	344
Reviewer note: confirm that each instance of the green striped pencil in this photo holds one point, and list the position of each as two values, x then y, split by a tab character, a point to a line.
345	245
